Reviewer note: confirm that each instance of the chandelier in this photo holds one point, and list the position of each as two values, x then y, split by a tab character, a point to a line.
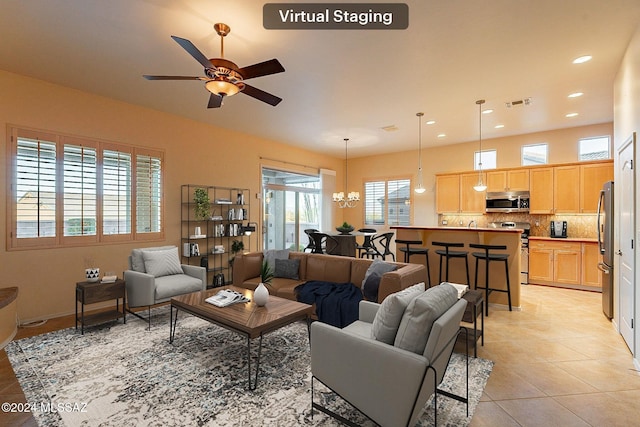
353	197
480	186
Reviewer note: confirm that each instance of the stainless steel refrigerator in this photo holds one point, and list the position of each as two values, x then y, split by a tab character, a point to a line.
605	243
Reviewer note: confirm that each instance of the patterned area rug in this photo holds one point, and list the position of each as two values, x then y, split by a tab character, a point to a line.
124	375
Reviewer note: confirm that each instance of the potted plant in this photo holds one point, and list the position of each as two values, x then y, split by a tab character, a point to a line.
236	246
345	228
201	199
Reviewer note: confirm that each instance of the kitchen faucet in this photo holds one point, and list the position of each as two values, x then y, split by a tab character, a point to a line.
473	221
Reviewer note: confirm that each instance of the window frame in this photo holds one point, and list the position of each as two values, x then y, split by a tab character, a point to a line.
385	211
539	144
13	242
476	159
588	138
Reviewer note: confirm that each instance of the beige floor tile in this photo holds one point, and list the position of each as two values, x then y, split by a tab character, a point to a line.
605	409
505	384
489	414
540	412
554	381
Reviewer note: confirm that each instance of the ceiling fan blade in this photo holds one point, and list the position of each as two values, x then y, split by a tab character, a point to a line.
261	95
272	66
172	78
193	51
215	101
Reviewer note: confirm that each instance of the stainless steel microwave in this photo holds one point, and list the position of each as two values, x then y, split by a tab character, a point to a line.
512	201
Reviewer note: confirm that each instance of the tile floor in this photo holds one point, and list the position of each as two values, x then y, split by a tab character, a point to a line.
558	362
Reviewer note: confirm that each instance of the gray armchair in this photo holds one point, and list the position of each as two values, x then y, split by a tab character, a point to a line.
386	383
155	275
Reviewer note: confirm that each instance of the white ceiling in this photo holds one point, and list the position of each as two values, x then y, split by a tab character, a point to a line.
339	84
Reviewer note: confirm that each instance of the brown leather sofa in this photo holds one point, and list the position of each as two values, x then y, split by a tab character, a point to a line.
330	268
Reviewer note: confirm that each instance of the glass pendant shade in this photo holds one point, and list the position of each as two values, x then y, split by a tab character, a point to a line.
420	187
480	186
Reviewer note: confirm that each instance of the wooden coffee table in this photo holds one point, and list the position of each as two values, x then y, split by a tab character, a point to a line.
243	318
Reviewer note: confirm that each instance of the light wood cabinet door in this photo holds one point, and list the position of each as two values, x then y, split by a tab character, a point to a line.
566	186
541	191
472	201
518	180
592	177
496	181
567	265
540	263
590	258
448	193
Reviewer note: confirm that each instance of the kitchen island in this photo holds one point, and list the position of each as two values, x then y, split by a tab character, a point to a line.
457	274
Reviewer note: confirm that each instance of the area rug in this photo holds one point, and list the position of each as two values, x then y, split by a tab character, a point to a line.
125	375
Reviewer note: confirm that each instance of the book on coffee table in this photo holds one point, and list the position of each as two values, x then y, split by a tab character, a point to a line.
226	297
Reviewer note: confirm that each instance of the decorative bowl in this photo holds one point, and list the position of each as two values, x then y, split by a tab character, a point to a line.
345	230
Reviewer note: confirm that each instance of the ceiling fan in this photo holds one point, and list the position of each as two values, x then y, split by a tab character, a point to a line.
223	77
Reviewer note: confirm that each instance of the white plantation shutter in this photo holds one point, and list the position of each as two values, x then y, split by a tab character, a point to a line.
387	202
148	193
79	190
116	192
35	188
374	195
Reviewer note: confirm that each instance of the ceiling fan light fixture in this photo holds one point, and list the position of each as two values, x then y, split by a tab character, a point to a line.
221	87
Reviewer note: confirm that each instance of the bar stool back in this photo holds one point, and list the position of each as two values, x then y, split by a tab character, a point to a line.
420	250
447	254
487	256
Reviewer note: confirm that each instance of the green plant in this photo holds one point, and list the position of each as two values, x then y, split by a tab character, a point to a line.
266	273
346	225
201	199
237	246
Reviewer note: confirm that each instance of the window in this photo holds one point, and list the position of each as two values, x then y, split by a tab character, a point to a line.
535	154
387	202
68	191
488	160
593	148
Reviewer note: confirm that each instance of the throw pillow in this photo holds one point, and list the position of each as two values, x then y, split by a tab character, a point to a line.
385	324
162	263
380	267
271	255
419	316
370	287
137	261
287	268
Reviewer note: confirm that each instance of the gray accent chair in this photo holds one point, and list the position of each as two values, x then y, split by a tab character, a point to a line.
387	384
145	289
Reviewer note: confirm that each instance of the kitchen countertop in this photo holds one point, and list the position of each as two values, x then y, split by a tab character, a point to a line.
479	229
567	239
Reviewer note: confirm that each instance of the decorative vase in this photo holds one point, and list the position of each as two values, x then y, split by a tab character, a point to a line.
92	274
261	295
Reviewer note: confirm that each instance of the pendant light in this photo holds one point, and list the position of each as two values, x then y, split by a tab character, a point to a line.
480	186
420	187
353	197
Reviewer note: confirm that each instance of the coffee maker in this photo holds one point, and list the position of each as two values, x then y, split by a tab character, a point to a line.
558	229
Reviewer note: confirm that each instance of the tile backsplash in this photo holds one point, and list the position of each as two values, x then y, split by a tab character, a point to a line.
579	226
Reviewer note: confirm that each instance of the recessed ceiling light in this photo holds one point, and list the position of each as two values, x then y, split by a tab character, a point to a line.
487	111
575	94
442	135
571	115
390	128
582	59
498	126
431	122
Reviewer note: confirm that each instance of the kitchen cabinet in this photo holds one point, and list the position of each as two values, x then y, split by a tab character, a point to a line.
508	180
541	191
448	193
566	181
471	201
552	262
592	177
590	258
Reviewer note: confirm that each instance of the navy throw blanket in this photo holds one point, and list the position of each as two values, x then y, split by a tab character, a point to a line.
336	303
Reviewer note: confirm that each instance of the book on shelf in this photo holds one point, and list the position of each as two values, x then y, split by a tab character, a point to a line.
462	289
198	236
226	297
190	249
223	201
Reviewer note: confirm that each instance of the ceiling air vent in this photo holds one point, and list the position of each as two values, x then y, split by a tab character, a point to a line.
518	102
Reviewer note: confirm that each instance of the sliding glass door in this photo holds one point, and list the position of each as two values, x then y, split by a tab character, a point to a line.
291	205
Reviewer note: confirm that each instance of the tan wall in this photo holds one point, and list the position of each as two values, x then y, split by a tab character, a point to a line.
563	148
194	153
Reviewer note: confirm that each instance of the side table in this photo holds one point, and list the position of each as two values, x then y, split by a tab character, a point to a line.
90	293
474	309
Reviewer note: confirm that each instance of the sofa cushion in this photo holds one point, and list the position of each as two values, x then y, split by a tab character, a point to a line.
176	284
372	278
328	268
287	268
137	261
252	265
162	263
389	315
419	316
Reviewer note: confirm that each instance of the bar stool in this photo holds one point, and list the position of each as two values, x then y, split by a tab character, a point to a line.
448	254
408	251
488	257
